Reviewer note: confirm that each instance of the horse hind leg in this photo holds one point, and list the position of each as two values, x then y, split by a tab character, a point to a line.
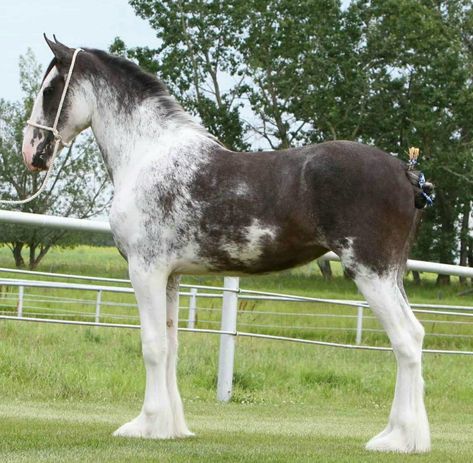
408	428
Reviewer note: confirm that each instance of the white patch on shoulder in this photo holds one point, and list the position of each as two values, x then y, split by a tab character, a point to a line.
252	248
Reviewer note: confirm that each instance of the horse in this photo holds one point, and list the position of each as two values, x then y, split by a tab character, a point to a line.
185	204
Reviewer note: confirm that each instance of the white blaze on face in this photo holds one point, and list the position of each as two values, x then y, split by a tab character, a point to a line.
33	136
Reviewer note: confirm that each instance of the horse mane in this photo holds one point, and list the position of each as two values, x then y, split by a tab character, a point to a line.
148	84
144	85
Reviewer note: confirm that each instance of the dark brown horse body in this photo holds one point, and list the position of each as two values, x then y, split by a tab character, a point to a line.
314	198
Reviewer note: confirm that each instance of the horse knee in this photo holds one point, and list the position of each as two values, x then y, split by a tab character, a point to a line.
408	349
154	352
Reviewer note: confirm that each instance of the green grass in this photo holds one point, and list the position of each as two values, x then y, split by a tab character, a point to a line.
293	433
64	390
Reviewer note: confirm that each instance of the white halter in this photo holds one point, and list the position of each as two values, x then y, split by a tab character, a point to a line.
55	132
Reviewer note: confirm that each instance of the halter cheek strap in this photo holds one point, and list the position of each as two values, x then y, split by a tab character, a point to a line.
55	132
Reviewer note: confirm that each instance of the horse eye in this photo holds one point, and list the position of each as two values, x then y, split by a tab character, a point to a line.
48	91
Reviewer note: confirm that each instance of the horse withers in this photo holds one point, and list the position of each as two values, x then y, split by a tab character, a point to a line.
184	204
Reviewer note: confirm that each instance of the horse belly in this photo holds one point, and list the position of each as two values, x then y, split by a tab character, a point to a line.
257	248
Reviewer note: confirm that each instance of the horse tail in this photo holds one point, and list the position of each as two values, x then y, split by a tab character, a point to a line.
422	189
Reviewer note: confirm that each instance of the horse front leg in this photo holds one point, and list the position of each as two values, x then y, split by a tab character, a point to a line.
172	322
156	418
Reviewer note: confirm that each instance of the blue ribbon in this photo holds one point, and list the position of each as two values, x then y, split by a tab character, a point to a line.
422	182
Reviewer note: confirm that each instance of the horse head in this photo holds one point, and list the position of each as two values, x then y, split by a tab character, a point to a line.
58	113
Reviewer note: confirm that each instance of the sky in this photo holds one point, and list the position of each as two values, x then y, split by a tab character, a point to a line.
88	23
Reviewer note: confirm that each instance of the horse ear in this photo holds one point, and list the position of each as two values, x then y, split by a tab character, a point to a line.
62	53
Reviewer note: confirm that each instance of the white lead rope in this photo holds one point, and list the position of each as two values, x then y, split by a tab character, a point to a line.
57	136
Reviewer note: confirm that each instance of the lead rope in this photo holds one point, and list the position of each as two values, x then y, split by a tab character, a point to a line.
57	136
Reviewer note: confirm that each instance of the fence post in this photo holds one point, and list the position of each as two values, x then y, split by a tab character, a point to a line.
192	308
21	292
359	325
98	302
227	341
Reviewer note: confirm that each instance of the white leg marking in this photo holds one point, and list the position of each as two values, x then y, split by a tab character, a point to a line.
156	418
408	426
180	426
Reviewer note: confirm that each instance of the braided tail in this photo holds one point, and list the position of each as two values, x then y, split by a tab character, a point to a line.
422	189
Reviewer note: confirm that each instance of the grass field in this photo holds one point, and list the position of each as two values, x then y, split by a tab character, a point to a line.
64	390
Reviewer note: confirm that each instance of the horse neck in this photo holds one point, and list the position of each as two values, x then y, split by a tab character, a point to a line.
127	134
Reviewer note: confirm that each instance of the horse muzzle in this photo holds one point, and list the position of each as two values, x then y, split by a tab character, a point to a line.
39	162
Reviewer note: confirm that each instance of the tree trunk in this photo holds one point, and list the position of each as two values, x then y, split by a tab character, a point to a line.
443	280
325	269
445	207
470	253
464	237
32	256
416	277
34	262
19	261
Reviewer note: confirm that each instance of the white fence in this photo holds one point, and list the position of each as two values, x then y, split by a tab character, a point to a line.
230	295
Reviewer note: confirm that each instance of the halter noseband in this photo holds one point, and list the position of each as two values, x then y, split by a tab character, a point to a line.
55	132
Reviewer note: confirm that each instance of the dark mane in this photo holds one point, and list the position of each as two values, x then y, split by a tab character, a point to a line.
144	83
136	85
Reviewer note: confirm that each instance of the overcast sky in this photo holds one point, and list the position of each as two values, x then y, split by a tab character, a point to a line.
91	23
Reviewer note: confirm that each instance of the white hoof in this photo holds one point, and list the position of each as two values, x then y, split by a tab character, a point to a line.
184	433
145	427
148	427
396	439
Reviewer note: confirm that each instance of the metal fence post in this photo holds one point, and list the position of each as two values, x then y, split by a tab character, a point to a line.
227	341
359	325
192	308
98	302
21	293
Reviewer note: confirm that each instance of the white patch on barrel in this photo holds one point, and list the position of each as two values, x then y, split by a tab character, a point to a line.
252	248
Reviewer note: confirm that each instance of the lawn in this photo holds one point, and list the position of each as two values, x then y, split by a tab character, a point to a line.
64	390
35	432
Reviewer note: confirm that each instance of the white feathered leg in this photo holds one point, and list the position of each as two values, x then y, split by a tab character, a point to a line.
180	426
408	427
156	418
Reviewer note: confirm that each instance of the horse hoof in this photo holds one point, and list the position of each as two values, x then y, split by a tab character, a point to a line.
395	440
139	427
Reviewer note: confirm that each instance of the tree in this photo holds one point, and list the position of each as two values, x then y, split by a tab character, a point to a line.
421	63
79	186
393	73
194	55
